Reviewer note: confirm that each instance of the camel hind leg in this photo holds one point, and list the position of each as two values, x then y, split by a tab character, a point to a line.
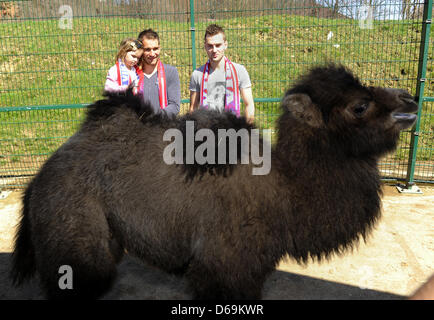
76	254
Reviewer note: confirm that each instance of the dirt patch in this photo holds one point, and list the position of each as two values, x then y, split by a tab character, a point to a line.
395	260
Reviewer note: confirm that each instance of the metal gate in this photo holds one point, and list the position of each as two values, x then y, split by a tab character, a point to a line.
54	56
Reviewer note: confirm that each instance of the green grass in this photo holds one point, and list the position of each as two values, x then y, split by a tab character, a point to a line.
41	64
55	66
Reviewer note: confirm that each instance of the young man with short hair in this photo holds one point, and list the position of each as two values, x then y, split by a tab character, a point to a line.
159	82
220	83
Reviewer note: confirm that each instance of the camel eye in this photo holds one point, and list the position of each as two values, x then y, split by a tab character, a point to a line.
360	109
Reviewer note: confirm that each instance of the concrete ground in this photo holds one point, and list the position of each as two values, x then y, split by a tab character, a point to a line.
397	258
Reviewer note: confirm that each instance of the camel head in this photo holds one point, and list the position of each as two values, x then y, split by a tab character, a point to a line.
331	103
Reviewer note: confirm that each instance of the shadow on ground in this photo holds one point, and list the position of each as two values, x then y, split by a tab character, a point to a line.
137	281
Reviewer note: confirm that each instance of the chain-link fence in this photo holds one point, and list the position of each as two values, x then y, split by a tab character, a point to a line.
54	56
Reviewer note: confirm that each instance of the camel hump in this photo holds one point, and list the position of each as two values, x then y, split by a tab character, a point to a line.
218	141
119	102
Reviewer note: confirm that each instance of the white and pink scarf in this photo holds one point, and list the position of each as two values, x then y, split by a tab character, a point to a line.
124	75
232	93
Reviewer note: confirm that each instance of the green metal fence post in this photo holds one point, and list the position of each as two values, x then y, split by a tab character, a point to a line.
423	57
193	35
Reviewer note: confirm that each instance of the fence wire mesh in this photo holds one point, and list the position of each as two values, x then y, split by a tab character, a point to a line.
54	56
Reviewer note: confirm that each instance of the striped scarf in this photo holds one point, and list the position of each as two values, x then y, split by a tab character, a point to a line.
232	93
162	88
124	77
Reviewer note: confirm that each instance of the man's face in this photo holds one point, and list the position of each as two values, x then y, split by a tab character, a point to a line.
215	47
151	51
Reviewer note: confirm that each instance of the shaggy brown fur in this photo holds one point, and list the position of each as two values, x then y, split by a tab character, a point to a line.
107	188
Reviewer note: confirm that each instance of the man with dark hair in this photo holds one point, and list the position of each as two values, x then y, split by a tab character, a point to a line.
159	82
220	83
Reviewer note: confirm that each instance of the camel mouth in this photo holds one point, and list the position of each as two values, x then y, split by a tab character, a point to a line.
404	116
404	120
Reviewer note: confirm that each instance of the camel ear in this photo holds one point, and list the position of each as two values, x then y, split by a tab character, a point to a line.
301	107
